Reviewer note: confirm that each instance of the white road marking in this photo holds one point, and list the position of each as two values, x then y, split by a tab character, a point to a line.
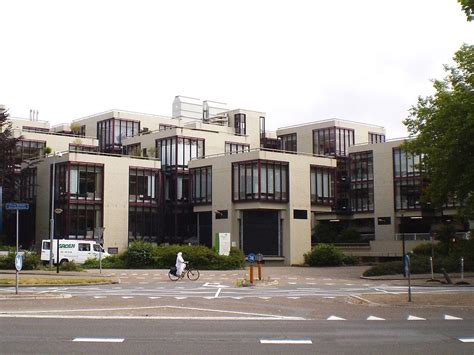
285	341
127	297
329	297
180	298
311	283
294	298
448	317
335	318
467	340
415	318
264	298
153	298
217	293
100	296
291	283
100	340
309	278
292	278
374	318
237	298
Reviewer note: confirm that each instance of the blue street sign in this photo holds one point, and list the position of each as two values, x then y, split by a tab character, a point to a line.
251	258
17	206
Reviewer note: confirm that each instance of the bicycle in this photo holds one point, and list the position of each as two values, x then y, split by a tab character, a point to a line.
192	274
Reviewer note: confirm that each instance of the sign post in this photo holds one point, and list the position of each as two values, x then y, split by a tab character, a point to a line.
99	232
251	260
18	257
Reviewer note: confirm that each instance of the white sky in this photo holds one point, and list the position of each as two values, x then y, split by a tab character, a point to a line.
298	61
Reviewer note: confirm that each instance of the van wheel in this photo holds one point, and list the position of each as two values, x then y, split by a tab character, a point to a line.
63	261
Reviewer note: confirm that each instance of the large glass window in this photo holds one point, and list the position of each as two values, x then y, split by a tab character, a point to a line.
144	186
28	149
322	185
86	182
176	152
111	132
332	141
234	148
260	180
201	185
288	142
407	180
240	123
362	184
143	223
376	138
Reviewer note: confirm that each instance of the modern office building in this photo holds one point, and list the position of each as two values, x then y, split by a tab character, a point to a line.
209	169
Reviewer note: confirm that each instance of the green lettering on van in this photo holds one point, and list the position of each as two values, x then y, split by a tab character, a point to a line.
66	245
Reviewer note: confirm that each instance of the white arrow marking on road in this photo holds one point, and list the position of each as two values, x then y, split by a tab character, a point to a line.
335	318
448	317
467	340
375	318
415	318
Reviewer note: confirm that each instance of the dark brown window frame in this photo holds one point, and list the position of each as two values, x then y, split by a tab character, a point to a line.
206	196
259	195
325	199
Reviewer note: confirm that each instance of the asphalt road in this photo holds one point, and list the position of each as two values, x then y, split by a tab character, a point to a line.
299	310
60	336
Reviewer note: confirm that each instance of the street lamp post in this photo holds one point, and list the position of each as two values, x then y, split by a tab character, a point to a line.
51	221
403	241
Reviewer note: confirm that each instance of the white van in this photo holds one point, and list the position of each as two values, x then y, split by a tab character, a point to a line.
71	250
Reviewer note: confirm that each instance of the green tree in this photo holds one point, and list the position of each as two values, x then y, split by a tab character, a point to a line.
468	8
7	157
442	128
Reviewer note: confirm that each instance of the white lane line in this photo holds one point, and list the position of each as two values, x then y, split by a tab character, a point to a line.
180	298
374	318
100	296
264	298
311	283
330	297
294	298
237	298
100	340
127	297
335	318
218	292
285	341
153	298
414	318
448	317
291	283
467	340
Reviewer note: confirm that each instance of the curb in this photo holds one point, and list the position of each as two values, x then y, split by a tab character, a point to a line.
35	297
61	285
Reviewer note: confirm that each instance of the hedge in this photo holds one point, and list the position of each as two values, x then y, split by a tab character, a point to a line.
324	255
142	255
30	261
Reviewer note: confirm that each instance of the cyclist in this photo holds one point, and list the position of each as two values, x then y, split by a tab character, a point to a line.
180	264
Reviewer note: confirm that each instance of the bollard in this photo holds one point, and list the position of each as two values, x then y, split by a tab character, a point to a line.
251	274
259	269
462	269
431	265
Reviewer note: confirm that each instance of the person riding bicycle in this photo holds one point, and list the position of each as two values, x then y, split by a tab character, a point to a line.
180	264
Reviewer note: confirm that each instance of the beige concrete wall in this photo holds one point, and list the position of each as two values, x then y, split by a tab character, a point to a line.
115	203
59	143
304	132
296	233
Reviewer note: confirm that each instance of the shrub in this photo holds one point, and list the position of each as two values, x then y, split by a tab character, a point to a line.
116	261
139	254
324	255
70	266
30	261
350	260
